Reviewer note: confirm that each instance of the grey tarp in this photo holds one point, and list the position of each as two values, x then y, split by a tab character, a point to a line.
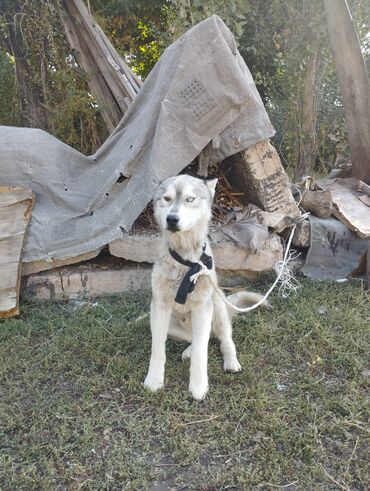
200	90
335	250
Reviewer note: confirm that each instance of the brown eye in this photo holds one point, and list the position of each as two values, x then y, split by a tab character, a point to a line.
190	199
167	198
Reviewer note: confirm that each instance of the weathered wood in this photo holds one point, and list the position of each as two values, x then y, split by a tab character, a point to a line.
368	267
302	234
110	80
258	172
353	82
363	188
363	268
15	212
317	202
38	266
350	210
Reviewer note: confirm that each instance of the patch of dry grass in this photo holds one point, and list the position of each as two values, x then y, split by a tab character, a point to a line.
74	414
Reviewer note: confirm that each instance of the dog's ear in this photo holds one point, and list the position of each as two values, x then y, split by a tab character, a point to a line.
211	185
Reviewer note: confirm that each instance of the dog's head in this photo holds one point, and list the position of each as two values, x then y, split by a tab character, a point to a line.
183	202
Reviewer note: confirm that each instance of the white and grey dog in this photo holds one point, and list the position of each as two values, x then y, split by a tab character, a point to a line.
180	307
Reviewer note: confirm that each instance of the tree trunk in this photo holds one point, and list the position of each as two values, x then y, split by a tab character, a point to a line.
308	117
31	102
353	82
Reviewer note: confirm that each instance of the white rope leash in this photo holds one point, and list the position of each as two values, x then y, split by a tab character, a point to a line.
288	283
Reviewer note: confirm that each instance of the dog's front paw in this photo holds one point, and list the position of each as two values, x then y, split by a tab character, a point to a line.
153	383
198	391
232	365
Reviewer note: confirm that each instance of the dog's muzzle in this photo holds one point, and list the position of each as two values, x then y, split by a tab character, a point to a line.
172	222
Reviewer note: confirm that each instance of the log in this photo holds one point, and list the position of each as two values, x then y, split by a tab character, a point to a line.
258	172
302	235
363	269
16	205
317	202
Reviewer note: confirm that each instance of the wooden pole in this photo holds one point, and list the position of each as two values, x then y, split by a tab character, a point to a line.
353	82
110	80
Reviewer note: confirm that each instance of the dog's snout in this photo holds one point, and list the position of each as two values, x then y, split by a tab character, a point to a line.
172	221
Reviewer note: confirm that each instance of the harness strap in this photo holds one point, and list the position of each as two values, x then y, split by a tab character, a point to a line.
188	282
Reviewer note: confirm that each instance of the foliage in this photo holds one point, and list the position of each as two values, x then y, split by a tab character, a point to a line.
139	30
186	13
54	95
8	107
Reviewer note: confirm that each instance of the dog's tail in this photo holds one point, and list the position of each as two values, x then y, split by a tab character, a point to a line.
244	299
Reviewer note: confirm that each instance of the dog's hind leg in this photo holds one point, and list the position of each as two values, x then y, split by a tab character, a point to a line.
160	313
222	329
186	354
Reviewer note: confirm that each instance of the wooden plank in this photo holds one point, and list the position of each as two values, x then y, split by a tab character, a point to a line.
38	266
347	206
16	205
351	211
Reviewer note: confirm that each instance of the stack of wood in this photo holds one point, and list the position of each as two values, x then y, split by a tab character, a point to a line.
15	212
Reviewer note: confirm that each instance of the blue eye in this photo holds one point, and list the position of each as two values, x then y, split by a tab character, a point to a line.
190	199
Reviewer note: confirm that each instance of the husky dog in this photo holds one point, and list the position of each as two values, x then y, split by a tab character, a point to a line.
183	306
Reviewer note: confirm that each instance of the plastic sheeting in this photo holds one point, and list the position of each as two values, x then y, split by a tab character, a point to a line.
335	250
199	91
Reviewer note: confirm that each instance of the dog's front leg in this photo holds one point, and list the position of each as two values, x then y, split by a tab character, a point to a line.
160	313
201	318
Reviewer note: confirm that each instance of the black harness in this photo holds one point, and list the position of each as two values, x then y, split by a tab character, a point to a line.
187	284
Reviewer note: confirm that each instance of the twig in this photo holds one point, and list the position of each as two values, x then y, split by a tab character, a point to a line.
357	425
198	421
282	486
230	454
332	479
351	457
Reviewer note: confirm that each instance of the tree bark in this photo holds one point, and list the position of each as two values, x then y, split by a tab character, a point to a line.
353	82
31	102
307	144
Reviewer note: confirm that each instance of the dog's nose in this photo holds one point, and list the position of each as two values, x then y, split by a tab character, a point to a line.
172	220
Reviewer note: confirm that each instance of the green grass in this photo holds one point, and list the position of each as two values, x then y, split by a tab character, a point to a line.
74	414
